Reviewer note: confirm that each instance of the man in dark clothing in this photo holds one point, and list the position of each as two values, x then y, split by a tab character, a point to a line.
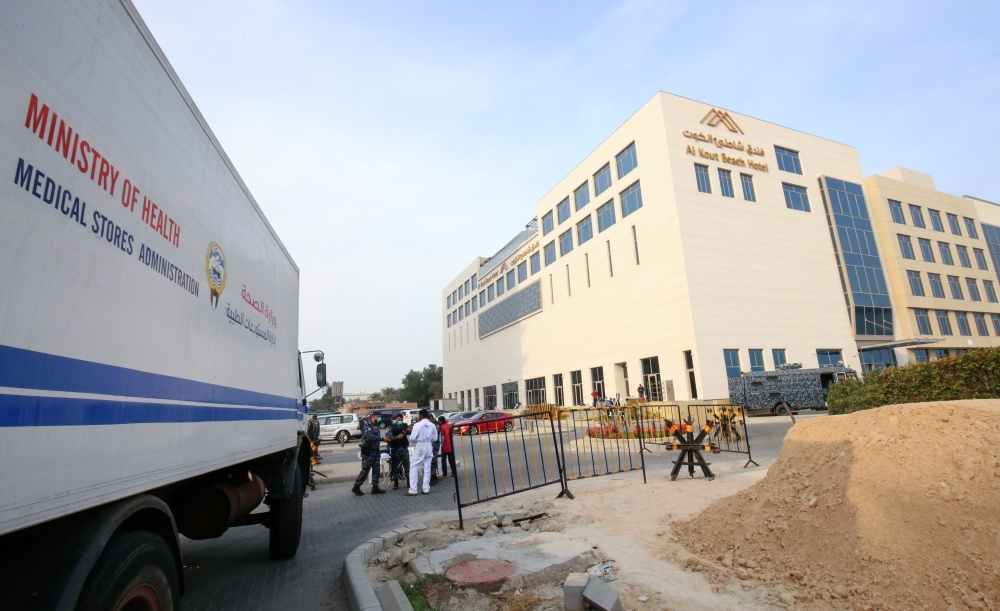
399	450
436	445
312	432
370	457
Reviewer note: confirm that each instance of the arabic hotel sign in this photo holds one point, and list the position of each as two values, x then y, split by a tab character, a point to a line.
717	117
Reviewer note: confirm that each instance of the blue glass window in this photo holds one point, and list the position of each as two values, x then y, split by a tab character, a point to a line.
562	210
916	284
970	227
547	223
602	180
550	253
956	287
926	250
584	230
778	354
896	209
991	234
991	292
944	324
449	320
581	195
522	271
996	322
795	197
980	319
945	249
756	359
937	288
449	302
701	174
511	281
942	353
726	183
732	363
953	223
500	286
566	243
467	308
626	160
980	258
475	304
906	246
963	323
489	293
923	322
631	199
877	359
536	263
748	193
973	286
606	216
829	358
920	355
461	313
963	255
917	216
936	220
788	160
482	299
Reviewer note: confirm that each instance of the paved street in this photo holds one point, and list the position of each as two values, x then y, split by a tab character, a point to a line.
234	573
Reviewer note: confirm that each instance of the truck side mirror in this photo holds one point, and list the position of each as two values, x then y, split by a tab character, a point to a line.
321	375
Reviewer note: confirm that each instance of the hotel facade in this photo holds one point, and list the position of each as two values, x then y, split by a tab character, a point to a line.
697	243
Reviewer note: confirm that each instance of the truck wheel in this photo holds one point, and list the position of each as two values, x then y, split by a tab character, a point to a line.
782	409
285	522
136	572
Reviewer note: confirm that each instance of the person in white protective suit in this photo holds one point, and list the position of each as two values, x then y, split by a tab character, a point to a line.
422	436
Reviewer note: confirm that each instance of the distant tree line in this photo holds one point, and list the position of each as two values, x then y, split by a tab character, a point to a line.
417	387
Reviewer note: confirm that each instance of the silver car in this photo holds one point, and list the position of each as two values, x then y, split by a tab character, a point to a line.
339	427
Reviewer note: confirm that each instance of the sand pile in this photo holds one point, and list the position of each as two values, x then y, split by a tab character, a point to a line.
892	508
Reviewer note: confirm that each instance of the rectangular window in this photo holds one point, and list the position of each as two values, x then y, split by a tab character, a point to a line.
936	220
748	193
926	250
896	209
500	286
468	308
991	234
606	216
973	286
991	292
701	174
473	281
562	210
788	160
945	249
923	322
937	289
449	302
651	378
916	284
917	216
963	323
963	255
980	258
872	320
461	313
576	380
454	297
906	247
778	354
920	355
980	319
631	199
732	363
953	224
550	253
522	271
566	243
996	323
597	381
584	230
829	358
449	321
756	359
626	160
581	195
475	304
877	359
941	353
726	183
557	386
548	223
489	397
795	197
511	280
944	324
536	263
535	388
482	299
467	287
956	287
602	180
970	227
489	293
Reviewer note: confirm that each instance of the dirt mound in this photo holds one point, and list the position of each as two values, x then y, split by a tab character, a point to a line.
891	508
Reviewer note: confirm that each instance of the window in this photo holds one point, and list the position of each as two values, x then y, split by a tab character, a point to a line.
943	323
991	234
581	195
557	386
778	354
941	353
906	247
467	286
449	321
631	199
896	209
726	183
461	291
550	253
963	323
953	224
475	304
584	230
473	281
916	284
510	395
936	220
576	380
626	160
468	308
980	319
920	355
606	216
963	255
748	193
535	388
454	297
877	359
945	250
597	381
996	323
511	280
522	271
489	293
980	258
956	287
566	243
923	322
651	379
732	363
917	216
548	223
937	289
970	227
449	302
461	313
872	320
701	174
973	286
756	359
536	263
562	210
795	197
482	298
991	293
788	160
926	250
829	358
500	287
602	180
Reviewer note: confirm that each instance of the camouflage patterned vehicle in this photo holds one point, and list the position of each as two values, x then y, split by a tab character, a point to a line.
787	389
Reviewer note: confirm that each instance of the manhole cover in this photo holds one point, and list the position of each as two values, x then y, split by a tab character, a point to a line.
483	575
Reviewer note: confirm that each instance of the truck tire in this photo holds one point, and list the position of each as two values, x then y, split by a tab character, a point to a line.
782	409
285	521
136	572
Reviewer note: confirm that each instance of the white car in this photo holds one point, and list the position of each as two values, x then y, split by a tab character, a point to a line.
410	416
339	427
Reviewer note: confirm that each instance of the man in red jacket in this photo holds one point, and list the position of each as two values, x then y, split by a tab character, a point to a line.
447	452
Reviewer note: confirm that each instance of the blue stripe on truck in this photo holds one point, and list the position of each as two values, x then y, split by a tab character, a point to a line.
21	368
24	411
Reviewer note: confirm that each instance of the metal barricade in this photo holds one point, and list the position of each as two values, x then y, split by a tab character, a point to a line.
600	441
695	428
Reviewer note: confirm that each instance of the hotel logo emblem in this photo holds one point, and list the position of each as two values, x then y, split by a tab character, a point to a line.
715	116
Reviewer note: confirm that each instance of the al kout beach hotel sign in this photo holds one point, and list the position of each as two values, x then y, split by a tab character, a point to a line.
717	117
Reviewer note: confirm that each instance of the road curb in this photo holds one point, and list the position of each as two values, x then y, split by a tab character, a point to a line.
360	592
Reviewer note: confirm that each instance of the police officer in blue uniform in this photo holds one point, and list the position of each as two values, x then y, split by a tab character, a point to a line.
370	456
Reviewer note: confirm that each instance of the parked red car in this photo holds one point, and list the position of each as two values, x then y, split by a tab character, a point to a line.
485	422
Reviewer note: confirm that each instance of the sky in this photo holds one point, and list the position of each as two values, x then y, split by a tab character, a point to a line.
391	143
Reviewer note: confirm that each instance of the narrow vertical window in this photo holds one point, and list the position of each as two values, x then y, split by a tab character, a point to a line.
936	223
778	354
945	249
748	193
980	258
996	323
962	318
569	287
581	195
536	263
584	230
701	174
611	267
896	210
916	284
991	292
550	253
956	287
586	262
937	287
756	359
732	358
726	183
522	271
926	250
980	319
562	210
963	255
917	216
626	160
602	180
906	246
548	223
606	216
923	322
973	286
970	227
953	224
566	243
552	290
635	242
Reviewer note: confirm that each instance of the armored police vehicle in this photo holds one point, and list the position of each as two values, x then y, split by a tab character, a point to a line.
786	389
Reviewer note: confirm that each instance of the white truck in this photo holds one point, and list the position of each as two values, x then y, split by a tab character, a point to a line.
151	384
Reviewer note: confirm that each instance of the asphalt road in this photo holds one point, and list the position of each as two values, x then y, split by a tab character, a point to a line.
234	572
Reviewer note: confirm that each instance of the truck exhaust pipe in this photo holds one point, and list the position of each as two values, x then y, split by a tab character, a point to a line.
207	511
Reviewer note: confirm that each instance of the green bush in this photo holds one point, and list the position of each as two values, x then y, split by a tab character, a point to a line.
974	375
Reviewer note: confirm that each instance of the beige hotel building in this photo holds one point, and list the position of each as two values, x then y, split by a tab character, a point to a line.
695	243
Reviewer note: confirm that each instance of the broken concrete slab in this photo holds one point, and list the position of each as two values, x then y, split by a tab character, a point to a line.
416	526
392	597
421	566
390	538
602	597
531	553
573	591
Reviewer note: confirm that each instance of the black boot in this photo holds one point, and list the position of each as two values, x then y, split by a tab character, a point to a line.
377	490
395	485
357	490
